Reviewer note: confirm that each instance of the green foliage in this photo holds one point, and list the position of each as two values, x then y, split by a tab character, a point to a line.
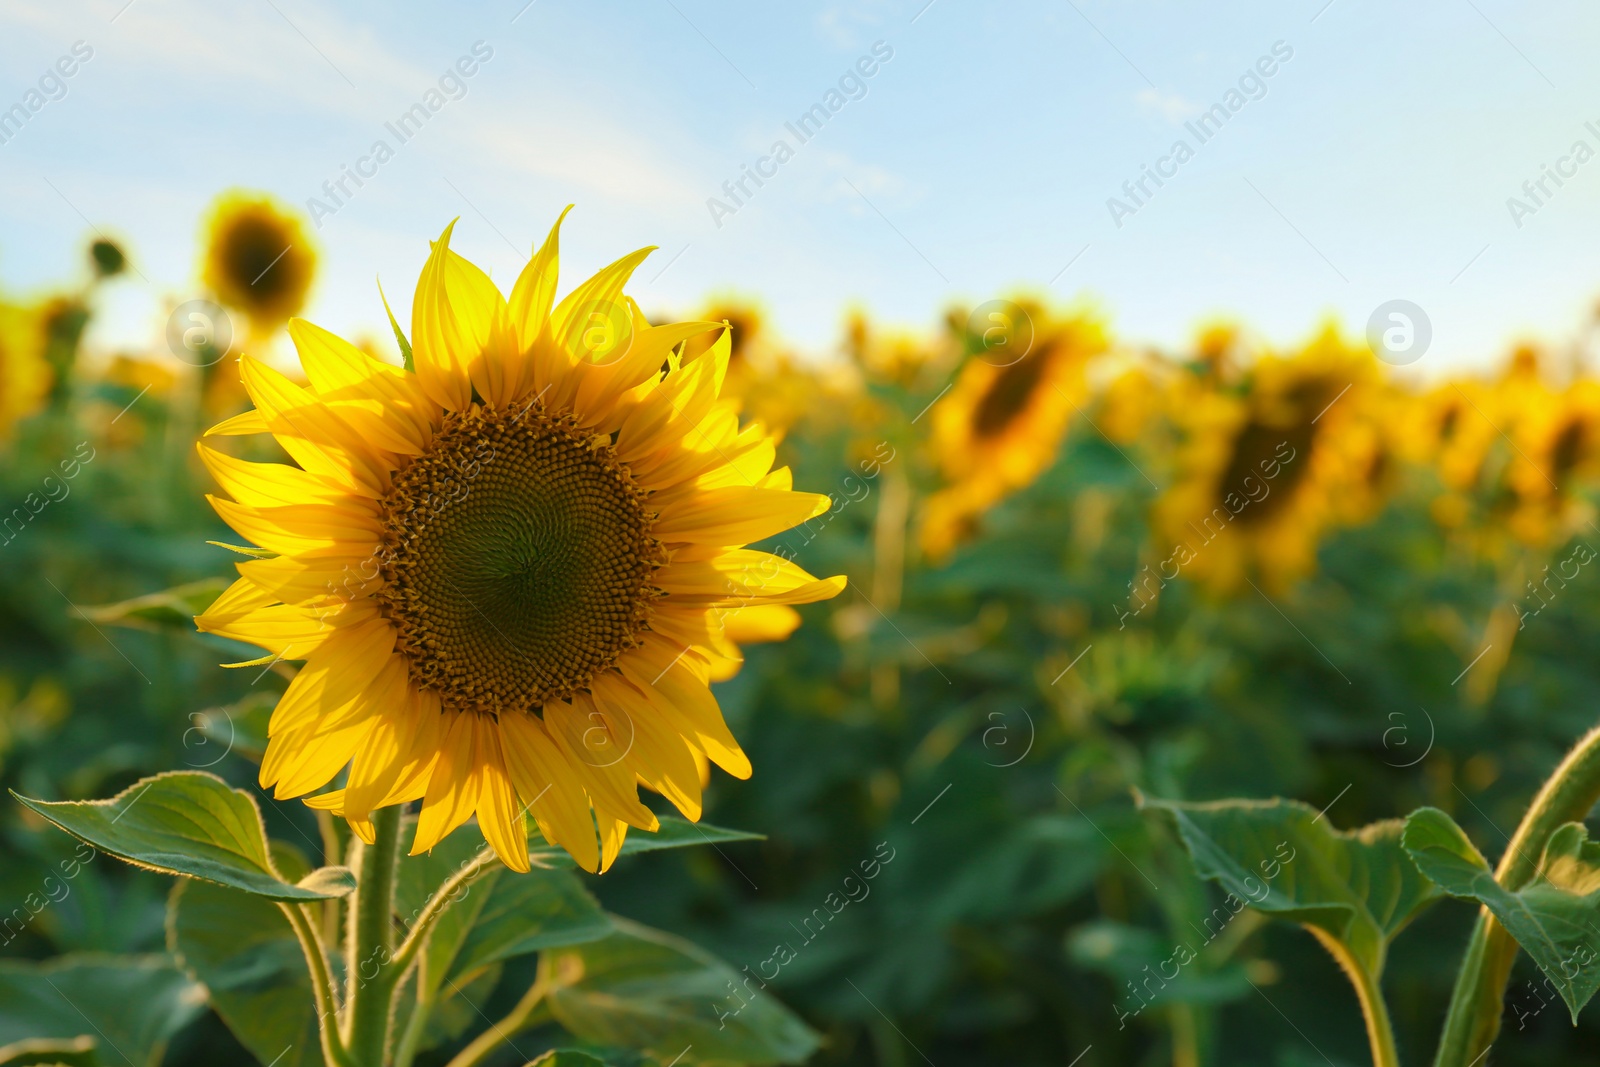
171	609
240	947
1555	917
674	833
189	823
126	1008
566	1058
1282	857
654	991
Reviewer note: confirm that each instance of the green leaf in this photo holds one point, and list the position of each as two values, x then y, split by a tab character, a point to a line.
189	823
239	728
169	609
525	913
59	1051
129	1006
1554	917
674	833
566	1057
1356	889
650	990
501	915
241	948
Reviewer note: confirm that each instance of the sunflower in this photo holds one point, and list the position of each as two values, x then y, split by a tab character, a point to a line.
1264	471
258	258
25	372
506	571
1557	437
762	375
1001	423
1451	428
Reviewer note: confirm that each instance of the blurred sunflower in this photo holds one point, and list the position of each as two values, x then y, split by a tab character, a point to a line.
1452	429
258	259
761	374
25	372
504	571
1001	423
1557	438
1262	472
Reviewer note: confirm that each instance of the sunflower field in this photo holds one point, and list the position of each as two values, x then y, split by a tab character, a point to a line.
559	680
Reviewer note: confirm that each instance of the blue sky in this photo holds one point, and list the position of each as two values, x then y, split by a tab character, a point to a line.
1374	163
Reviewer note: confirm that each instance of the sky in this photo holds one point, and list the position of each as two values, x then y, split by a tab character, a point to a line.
1357	153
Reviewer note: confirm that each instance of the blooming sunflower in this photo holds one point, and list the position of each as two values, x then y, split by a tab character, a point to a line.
1002	421
506	571
1262	473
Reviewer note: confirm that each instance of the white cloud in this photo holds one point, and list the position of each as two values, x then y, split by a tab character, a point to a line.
1170	106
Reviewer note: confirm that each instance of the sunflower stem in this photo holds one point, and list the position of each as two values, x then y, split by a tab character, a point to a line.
333	1051
371	974
411	1037
1473	1020
448	893
330	857
516	1020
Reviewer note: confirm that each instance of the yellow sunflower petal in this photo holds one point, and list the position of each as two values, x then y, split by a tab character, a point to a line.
534	293
738	515
500	817
456	782
543	781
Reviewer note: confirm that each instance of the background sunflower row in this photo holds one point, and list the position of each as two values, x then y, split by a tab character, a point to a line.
1077	567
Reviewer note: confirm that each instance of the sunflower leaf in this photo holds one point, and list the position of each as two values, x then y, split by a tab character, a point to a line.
189	823
1555	917
167	609
241	948
666	994
566	1057
501	915
125	1007
674	833
1356	889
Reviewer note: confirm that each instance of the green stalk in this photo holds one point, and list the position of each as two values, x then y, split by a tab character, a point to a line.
517	1019
1374	1012
333	1051
1473	1020
437	905
371	976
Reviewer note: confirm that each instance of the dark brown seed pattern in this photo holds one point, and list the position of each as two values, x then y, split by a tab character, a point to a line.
516	559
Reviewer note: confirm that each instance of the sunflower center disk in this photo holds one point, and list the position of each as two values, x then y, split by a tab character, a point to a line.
517	559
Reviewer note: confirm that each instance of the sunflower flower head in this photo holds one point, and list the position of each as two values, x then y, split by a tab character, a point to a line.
1264	470
512	573
1001	423
1557	435
258	259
